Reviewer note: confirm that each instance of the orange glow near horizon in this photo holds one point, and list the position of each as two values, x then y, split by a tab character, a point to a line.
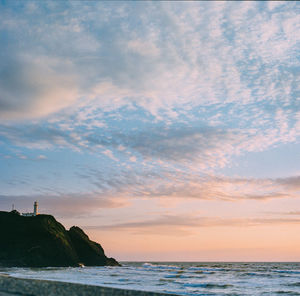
261	243
195	230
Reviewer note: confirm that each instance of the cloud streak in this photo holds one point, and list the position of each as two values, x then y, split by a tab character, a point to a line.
63	205
165	184
185	225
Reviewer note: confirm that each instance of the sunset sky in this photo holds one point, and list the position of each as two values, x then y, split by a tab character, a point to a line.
166	130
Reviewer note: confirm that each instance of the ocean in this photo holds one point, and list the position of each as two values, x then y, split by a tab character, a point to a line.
182	278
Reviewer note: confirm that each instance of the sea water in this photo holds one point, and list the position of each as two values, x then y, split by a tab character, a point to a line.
182	278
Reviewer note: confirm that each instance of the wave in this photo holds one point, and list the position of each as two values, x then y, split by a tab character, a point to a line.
161	267
258	274
288	271
286	292
206	269
296	284
208	285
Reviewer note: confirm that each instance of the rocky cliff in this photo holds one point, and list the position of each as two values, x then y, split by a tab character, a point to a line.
41	241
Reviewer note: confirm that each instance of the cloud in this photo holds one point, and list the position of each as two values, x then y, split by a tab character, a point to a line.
62	205
169	92
292	213
170	184
38	136
35	86
205	145
224	188
186	224
290	182
179	55
205	70
41	157
177	161
208	146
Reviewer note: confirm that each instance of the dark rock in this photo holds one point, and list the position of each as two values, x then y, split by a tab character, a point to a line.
41	241
91	253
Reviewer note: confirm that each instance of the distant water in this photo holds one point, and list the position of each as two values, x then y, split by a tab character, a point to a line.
182	278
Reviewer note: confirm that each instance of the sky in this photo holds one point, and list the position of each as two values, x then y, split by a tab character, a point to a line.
167	131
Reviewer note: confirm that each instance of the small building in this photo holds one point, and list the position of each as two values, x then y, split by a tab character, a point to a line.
35	211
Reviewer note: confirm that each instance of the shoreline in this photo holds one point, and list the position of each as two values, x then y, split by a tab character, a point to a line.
11	286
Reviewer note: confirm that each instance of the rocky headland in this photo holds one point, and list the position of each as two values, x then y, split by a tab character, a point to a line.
41	241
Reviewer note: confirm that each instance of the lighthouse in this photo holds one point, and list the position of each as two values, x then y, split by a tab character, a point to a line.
35	211
35	208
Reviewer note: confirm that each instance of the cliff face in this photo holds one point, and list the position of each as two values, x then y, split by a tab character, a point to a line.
41	241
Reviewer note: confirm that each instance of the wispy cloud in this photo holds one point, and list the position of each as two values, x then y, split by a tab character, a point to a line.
202	147
182	185
186	224
62	205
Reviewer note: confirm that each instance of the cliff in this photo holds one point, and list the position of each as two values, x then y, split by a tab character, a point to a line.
41	241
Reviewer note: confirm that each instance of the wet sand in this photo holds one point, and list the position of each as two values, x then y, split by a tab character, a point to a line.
10	286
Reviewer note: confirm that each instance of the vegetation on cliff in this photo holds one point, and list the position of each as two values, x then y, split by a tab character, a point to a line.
41	241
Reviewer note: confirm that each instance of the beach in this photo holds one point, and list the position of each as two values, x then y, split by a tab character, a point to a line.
10	286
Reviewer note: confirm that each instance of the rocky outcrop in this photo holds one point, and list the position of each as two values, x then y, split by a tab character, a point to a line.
89	252
41	241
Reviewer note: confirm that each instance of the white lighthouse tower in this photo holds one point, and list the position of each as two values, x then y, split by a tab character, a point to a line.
35	211
35	208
